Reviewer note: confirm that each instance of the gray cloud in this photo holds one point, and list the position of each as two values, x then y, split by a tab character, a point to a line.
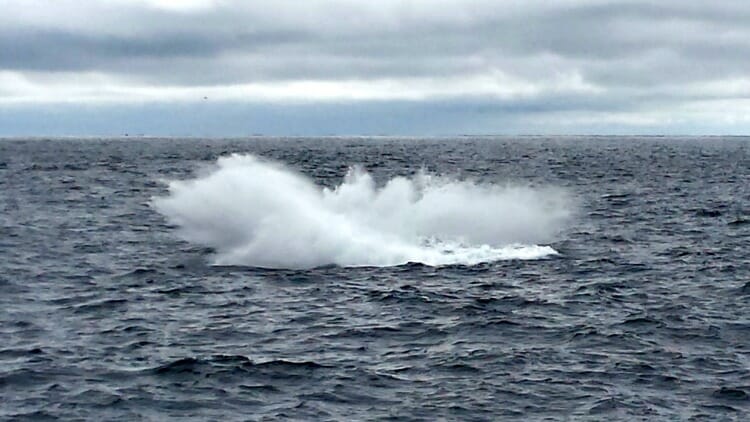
579	34
57	50
620	57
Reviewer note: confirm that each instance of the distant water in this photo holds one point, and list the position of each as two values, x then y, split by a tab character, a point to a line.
529	278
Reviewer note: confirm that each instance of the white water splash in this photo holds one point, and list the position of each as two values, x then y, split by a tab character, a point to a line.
259	213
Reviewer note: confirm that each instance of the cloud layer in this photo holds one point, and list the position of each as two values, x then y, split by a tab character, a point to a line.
564	66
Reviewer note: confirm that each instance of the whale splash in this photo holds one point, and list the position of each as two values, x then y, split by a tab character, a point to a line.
260	213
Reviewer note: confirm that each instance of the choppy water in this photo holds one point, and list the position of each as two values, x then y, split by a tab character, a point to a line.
105	313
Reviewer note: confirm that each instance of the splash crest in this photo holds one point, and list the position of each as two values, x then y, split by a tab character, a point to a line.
256	212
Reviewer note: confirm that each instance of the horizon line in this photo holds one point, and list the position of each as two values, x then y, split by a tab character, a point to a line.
434	136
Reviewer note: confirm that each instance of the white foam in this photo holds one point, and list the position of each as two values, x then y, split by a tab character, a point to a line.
260	213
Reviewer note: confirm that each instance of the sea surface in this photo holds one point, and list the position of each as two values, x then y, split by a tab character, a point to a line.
598	278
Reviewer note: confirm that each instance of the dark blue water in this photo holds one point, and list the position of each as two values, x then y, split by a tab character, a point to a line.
644	315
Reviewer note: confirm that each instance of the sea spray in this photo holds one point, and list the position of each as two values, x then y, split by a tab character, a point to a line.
256	212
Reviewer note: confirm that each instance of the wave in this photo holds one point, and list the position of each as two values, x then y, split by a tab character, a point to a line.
260	213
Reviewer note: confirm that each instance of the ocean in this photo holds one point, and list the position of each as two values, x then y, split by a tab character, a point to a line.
356	278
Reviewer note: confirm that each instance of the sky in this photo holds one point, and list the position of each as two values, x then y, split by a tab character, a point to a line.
386	67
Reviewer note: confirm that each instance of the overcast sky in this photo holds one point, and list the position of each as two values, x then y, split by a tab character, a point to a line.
419	67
